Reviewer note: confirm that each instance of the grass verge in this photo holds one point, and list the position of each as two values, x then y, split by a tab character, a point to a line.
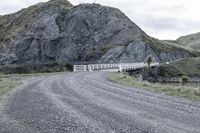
10	81
18	76
6	86
189	92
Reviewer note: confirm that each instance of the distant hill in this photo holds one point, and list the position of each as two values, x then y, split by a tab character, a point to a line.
191	41
57	31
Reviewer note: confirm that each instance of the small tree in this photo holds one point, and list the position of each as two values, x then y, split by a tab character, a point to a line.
184	80
149	60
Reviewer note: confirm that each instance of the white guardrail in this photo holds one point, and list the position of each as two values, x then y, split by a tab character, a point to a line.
121	67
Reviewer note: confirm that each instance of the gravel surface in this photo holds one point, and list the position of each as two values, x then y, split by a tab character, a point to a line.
87	102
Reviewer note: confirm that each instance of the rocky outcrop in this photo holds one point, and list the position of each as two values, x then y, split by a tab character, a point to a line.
58	31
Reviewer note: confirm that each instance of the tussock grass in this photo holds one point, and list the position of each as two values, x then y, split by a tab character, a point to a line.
189	92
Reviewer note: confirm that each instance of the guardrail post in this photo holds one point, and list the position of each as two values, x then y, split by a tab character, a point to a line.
90	68
85	67
107	66
74	68
120	68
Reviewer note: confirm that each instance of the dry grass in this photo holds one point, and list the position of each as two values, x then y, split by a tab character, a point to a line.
189	92
6	86
10	81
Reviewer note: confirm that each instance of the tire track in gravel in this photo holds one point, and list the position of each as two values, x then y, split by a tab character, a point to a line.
88	102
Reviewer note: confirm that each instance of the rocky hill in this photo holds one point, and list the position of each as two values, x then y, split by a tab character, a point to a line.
57	31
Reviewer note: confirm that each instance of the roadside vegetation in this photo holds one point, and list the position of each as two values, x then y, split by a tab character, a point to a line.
6	86
35	68
189	92
11	81
149	60
184	80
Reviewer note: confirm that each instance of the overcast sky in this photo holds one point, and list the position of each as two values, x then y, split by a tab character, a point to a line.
163	19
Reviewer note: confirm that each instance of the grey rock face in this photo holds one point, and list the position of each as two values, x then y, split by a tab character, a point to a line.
57	31
139	50
173	55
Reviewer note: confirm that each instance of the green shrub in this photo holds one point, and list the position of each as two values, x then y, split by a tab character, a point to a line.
149	60
68	66
184	79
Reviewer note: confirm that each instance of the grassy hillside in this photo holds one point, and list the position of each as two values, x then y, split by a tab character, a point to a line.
169	46
191	41
187	67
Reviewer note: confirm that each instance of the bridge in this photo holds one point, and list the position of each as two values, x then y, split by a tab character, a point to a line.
118	66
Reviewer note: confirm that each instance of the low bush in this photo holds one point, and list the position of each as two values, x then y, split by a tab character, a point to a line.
184	80
35	68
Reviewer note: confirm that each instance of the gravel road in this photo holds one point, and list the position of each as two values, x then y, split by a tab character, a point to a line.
86	102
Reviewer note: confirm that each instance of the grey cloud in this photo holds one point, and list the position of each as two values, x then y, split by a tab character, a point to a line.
171	24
